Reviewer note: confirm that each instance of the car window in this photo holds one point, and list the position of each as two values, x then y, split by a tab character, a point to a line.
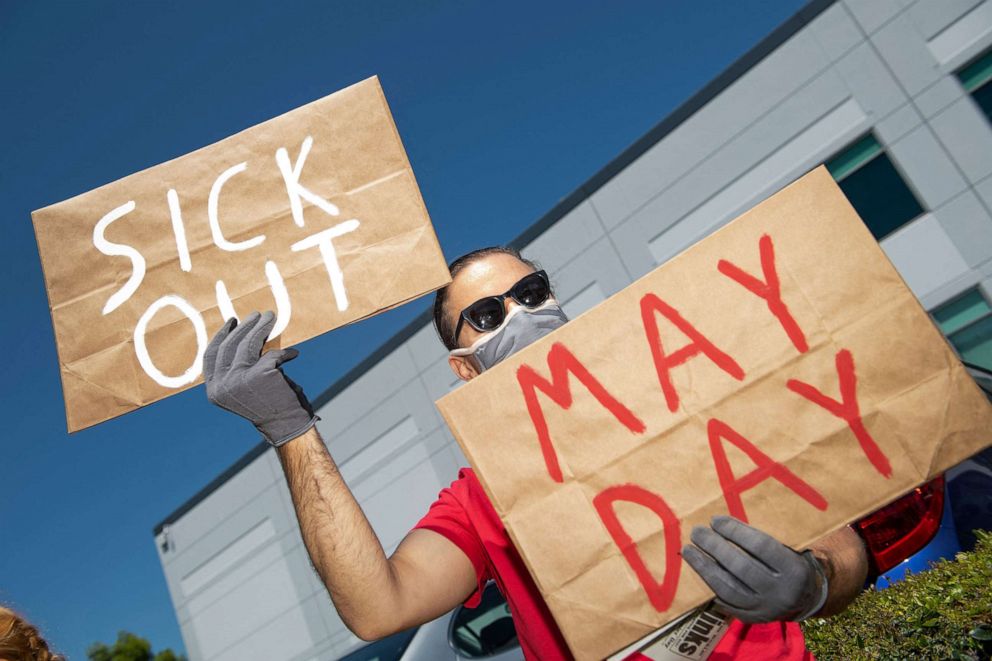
485	630
390	648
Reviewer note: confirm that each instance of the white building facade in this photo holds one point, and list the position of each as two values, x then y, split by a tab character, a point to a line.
894	95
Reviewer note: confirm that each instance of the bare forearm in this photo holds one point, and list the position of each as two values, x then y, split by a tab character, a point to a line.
845	562
342	545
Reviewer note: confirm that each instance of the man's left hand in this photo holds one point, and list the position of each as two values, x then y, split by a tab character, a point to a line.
755	577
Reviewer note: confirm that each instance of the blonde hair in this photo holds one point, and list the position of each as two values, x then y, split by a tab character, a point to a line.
20	640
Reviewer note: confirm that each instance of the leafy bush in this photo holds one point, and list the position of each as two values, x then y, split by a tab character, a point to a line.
129	647
942	613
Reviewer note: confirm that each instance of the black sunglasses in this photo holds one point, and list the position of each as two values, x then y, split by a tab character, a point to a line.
488	313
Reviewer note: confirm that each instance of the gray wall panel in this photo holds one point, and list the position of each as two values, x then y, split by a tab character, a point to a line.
931	18
836	31
750	147
237	492
870	81
599	264
267	636
898	123
968	225
965	133
873	14
393	510
906	54
425	347
383	425
945	263
235	540
984	190
631	241
938	96
710	196
564	240
811	147
928	168
439	380
455	451
305	578
759	91
362	395
403	462
963	39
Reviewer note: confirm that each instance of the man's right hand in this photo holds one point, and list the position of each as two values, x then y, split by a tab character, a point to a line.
242	380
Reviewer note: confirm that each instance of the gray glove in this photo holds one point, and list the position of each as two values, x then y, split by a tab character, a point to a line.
755	577
240	380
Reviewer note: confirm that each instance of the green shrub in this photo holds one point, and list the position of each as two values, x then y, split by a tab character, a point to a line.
942	613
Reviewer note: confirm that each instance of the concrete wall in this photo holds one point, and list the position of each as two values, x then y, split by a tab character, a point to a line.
236	568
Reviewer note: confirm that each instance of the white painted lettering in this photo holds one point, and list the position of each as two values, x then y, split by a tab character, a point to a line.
179	230
141	349
119	250
323	240
212	215
295	190
283	308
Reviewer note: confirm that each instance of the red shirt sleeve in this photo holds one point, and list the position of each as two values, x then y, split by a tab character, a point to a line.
449	517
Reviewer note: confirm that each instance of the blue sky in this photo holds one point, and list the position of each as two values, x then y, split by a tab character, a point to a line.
504	108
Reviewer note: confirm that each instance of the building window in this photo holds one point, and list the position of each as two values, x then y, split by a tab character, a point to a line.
967	323
874	187
977	80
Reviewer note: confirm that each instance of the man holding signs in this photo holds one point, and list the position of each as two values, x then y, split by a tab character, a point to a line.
496	304
747	376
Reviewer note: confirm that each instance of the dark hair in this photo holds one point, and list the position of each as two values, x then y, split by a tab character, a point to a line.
445	329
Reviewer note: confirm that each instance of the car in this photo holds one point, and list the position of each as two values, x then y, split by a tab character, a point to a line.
932	522
484	632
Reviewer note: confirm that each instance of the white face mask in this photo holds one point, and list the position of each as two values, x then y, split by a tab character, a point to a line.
520	328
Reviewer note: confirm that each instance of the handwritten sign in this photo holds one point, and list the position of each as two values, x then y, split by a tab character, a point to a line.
779	370
314	214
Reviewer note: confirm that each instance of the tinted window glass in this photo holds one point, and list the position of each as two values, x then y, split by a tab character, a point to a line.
486	630
977	79
874	187
967	322
983	96
390	648
974	343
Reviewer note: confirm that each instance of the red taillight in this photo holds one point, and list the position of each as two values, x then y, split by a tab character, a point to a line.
905	526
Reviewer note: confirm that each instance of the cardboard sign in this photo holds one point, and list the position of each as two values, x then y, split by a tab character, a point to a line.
779	370
314	214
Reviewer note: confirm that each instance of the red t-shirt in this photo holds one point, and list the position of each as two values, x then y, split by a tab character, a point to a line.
464	515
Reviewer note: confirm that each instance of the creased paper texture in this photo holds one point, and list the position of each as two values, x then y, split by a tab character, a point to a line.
315	214
779	370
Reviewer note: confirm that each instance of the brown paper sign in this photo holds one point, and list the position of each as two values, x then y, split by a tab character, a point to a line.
314	214
779	370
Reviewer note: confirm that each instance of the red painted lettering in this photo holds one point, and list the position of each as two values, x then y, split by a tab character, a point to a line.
562	362
663	362
770	290
660	593
767	468
847	408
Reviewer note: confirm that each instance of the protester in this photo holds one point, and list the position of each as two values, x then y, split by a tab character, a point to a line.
20	641
496	304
